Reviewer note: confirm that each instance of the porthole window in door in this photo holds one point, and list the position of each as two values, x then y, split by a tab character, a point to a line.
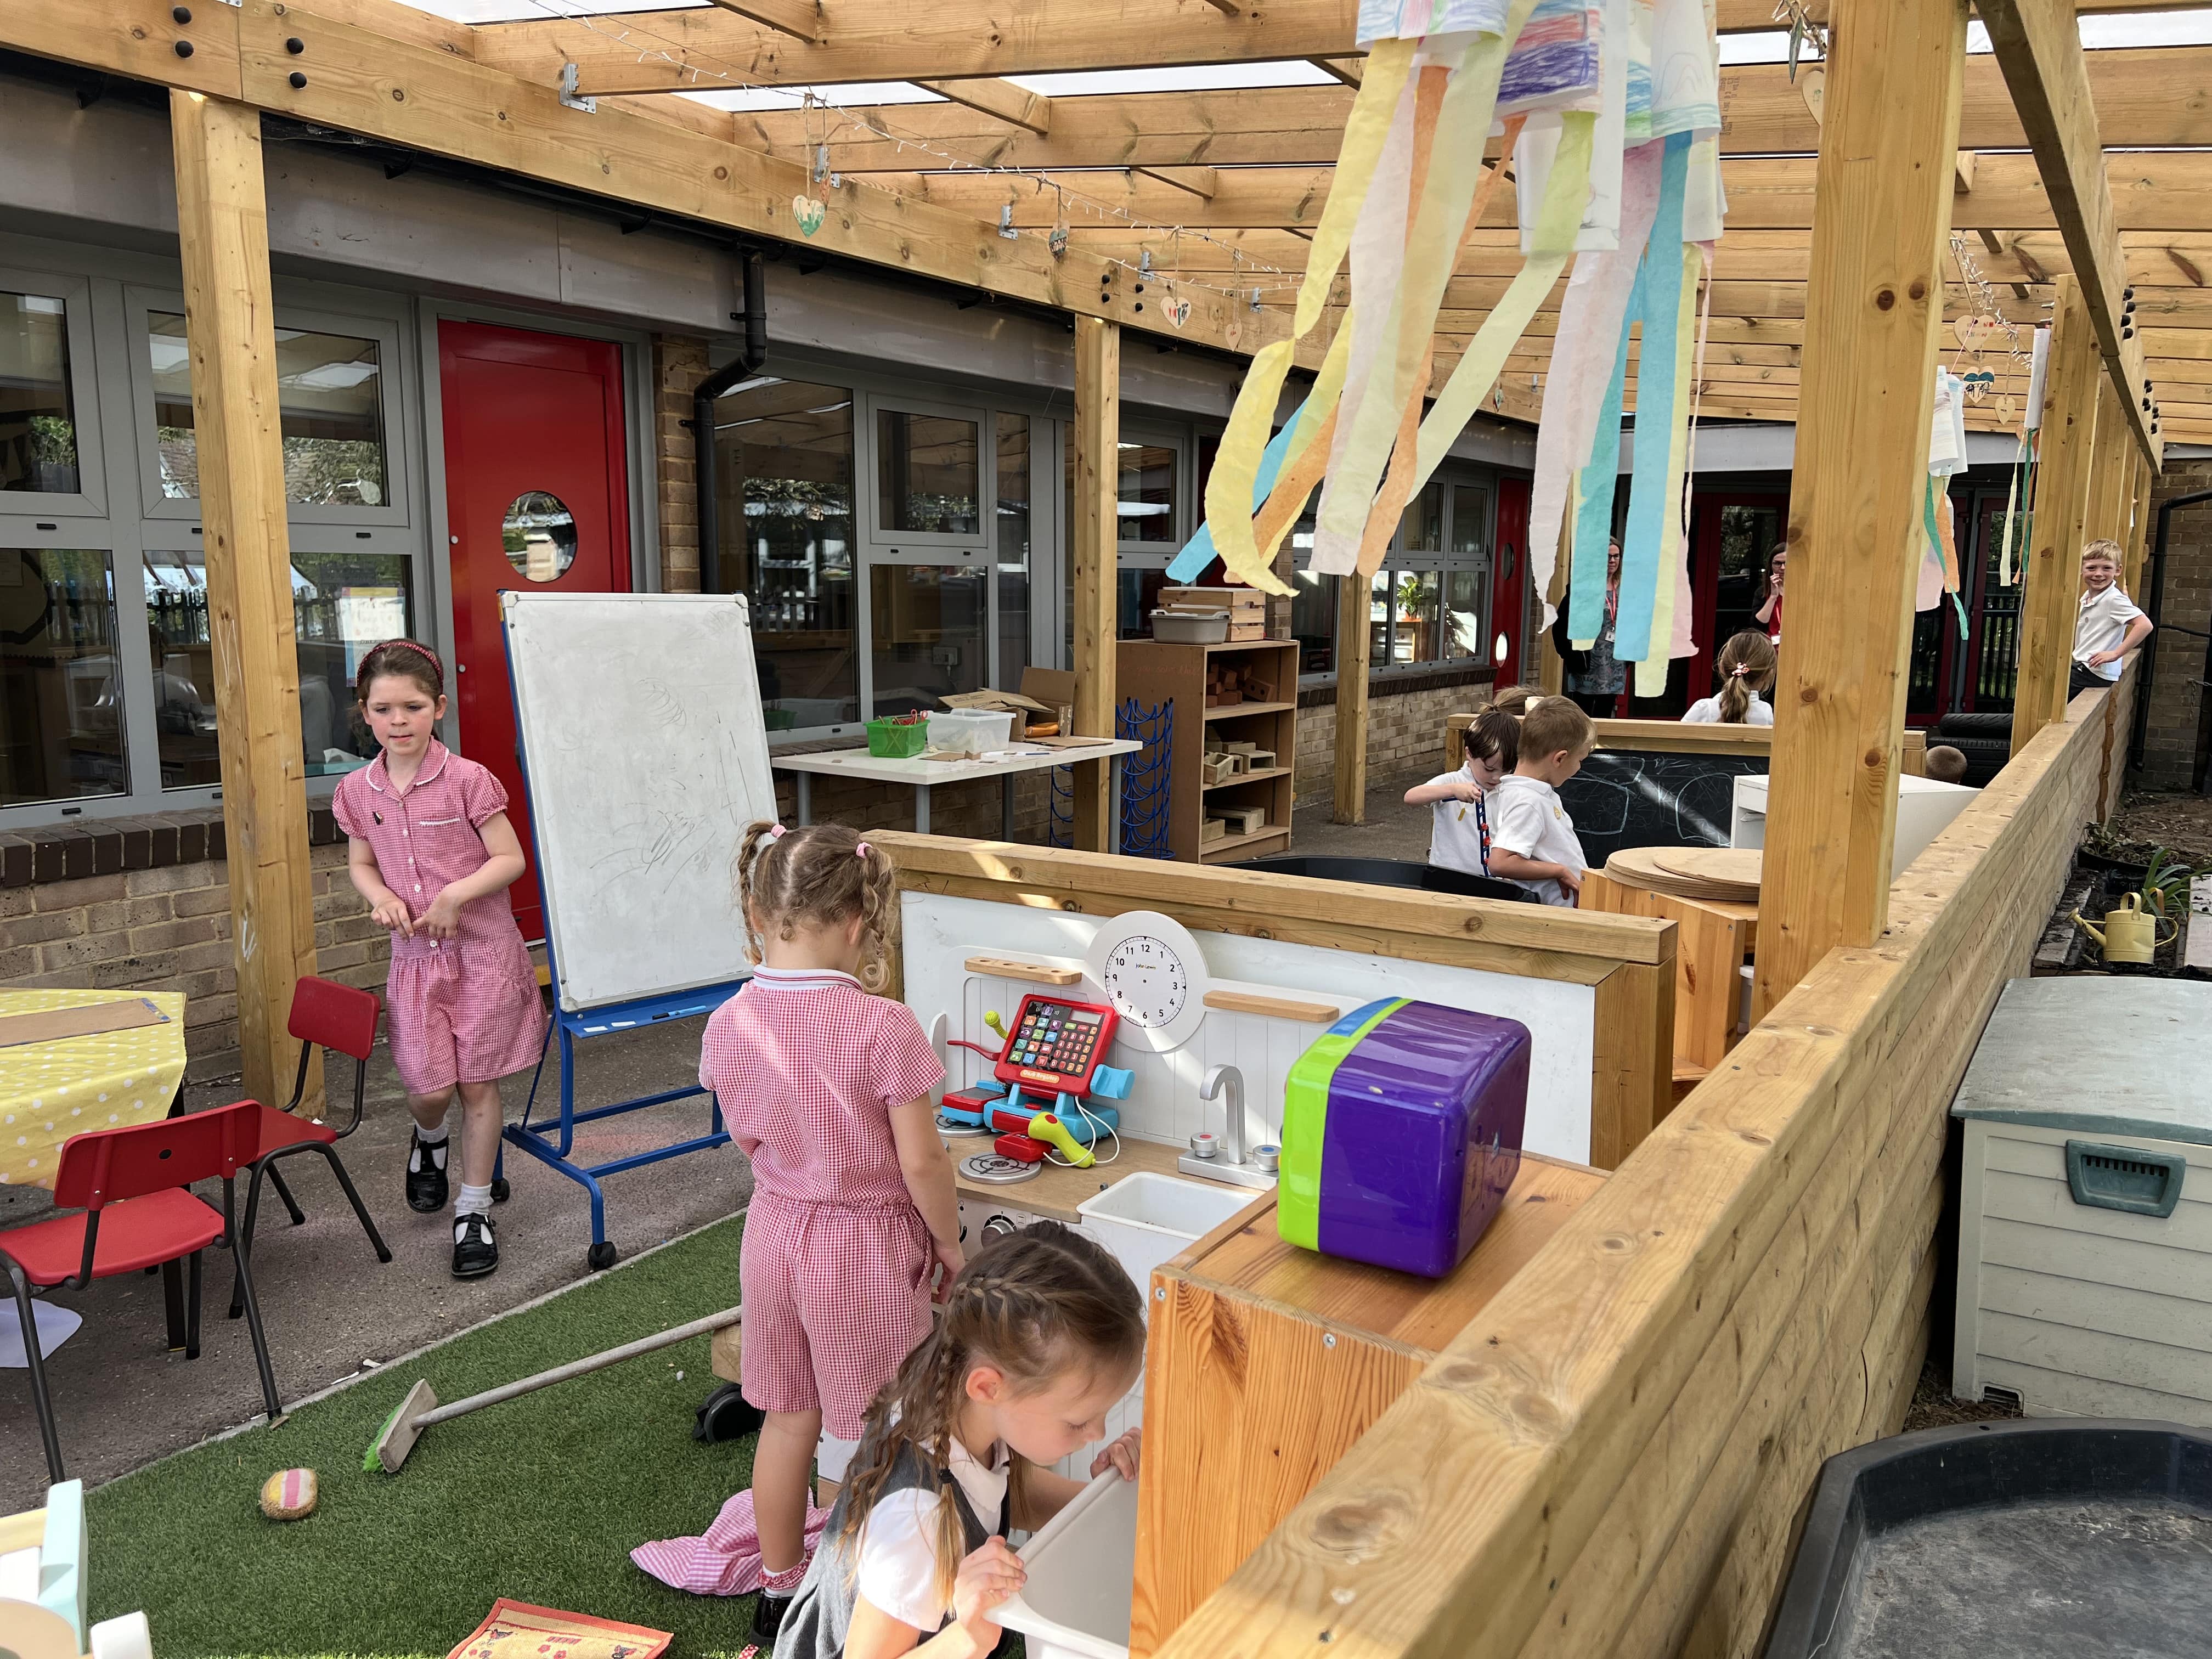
539	536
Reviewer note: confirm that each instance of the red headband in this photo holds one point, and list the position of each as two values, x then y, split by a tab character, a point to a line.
416	645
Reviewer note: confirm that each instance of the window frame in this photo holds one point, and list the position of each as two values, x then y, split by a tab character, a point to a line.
384	327
90	499
918	546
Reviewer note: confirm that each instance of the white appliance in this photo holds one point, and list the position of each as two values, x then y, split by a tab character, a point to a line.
2085	1227
1925	808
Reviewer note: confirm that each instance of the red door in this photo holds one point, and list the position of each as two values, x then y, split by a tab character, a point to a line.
537	497
1508	607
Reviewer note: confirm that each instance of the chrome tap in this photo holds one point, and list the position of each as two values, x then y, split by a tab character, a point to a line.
1204	1159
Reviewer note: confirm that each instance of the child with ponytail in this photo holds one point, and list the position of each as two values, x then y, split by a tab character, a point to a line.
430	849
1041	1335
1747	669
826	1089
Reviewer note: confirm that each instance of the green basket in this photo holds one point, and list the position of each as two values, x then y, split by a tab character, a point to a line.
894	740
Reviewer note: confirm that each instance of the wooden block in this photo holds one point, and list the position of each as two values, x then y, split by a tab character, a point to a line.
1246	820
1239	746
289	1495
1244	1002
1213	828
726	1353
1216	768
1247	633
1238	764
1037	973
1260	760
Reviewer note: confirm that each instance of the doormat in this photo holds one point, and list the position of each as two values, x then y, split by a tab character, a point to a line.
513	1629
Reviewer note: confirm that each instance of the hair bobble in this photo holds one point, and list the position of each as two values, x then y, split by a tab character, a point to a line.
861	849
1738	671
776	832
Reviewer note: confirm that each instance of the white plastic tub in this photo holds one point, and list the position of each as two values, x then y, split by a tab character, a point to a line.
1147	1218
971	731
1082	1572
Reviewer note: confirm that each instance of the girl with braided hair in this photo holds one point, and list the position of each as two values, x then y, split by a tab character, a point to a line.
826	1089
1042	1334
430	849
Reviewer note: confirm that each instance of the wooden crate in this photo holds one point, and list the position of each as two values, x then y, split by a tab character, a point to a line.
1266	1362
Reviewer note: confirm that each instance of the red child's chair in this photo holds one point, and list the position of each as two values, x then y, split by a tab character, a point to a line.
131	1184
331	1016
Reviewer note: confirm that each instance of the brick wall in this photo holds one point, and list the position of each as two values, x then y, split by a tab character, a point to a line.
1405	732
678	365
120	916
2185	600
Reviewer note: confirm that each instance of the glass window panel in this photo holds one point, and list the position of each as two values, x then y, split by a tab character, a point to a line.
1138	597
1421	526
1419	635
1467	608
1146	491
1379	589
783	482
61	696
1470	520
1749	536
37	419
329	405
925	472
1013	548
539	536
1313	621
343	604
927	633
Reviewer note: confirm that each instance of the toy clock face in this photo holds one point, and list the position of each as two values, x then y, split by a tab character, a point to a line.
1150	969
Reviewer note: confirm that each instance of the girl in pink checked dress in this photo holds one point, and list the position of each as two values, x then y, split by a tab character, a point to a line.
826	1088
432	852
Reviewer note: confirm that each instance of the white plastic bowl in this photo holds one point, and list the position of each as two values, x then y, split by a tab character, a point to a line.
1083	1574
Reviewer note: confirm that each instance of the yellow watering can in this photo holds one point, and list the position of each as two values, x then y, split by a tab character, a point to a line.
2129	933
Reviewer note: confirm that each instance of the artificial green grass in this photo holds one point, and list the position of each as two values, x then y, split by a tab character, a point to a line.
541	1499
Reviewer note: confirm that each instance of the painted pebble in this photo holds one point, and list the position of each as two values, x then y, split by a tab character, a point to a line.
289	1495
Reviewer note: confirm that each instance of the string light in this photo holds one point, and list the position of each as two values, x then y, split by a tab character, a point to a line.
1985	300
636	37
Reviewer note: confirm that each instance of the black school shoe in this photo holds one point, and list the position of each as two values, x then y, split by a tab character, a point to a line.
426	1180
475	1252
767	1618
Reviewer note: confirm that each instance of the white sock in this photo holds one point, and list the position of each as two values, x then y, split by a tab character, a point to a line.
473	1201
434	1142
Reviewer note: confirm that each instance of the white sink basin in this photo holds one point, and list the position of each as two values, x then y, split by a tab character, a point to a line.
1145	1219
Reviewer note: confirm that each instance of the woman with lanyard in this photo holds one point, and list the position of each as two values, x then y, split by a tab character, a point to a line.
1596	678
1769	615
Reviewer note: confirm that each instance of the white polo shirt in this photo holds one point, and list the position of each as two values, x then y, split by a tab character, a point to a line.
1455	830
2102	625
1527	816
898	1544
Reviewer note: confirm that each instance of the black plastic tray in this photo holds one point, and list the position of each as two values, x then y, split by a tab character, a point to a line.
2045	1540
1394	872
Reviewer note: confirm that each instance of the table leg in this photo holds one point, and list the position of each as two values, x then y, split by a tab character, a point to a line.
922	809
1114	804
1006	807
804	789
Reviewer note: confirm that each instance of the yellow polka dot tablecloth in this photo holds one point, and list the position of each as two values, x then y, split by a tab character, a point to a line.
52	1091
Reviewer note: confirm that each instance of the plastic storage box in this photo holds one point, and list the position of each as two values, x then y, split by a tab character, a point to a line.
1401	1131
971	731
1143	1219
897	739
2085	1201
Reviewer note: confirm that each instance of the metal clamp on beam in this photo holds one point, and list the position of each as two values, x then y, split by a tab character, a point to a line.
568	98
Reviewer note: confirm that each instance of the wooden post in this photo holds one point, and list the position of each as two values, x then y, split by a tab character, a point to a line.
1352	639
1873	306
1551	671
222	226
1098	476
2109	486
2138	540
2050	595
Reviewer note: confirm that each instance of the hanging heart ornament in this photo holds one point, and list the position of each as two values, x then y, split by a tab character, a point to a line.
1814	85
808	213
1176	309
1233	332
2007	408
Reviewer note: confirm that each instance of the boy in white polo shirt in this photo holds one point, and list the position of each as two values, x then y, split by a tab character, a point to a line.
2108	625
1531	839
1459	838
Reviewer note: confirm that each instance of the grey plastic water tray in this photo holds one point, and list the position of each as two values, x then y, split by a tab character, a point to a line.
2122	1056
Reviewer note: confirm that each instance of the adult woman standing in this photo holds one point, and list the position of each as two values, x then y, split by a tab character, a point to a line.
1595	678
1770	614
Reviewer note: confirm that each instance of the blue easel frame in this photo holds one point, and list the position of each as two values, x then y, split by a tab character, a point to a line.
552	1140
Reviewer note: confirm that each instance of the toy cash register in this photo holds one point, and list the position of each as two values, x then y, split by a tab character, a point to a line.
1053	1059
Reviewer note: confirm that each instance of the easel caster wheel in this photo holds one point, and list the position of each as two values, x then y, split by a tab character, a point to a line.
500	1190
600	1256
725	1416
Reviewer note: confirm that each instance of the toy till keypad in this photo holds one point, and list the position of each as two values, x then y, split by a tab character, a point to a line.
1057	1044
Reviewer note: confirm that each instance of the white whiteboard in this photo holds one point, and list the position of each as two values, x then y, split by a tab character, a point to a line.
646	755
940	933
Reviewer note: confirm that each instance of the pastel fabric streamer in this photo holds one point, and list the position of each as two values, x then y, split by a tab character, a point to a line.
1236	465
1671	591
1649	493
1594	486
1409	19
1583	352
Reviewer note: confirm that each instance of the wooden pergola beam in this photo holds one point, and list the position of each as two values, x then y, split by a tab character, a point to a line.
1002	100
1354	658
1095	510
799	18
2036	45
222	223
2061	505
1857	490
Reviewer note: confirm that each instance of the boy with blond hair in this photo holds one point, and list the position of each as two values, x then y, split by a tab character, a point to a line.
1531	839
2108	625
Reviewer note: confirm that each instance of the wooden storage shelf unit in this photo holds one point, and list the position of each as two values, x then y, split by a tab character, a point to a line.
1150	672
1266	1362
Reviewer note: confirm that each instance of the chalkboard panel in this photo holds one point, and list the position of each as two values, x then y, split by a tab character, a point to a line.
1636	797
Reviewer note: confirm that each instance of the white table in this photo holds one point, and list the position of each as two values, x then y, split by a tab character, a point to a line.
925	774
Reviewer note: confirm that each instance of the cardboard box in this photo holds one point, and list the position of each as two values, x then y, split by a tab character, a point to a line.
1246	820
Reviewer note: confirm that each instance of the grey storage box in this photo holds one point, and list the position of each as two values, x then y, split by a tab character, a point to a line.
2085	1223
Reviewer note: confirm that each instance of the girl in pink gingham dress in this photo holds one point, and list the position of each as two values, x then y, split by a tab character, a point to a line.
432	852
826	1088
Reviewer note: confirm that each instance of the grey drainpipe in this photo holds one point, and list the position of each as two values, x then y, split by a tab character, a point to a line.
742	367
